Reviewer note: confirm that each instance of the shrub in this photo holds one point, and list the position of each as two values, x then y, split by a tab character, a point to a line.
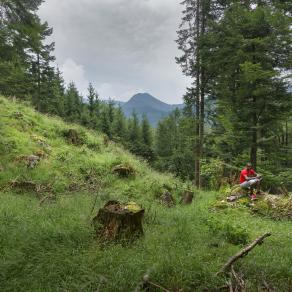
234	234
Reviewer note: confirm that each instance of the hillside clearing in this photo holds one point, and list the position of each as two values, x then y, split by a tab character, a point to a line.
47	242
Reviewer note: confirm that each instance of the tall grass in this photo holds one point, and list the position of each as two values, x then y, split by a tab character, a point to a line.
50	245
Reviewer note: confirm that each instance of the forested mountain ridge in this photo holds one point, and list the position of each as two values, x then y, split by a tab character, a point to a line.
146	104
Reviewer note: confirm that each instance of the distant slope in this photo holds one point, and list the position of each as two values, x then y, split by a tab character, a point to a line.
144	103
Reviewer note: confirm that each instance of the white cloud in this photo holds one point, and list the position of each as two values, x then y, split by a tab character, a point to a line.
76	73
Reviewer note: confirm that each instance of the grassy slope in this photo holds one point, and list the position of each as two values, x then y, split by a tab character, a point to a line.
51	246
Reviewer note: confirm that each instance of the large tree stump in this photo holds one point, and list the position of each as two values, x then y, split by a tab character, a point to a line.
117	221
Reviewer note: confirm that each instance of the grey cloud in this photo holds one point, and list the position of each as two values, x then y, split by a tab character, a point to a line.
122	46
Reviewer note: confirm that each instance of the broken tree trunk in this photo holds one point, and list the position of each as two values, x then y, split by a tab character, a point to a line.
187	198
117	221
243	252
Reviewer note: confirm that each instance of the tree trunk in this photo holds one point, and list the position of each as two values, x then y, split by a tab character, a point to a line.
197	101
38	82
119	222
254	143
286	143
202	88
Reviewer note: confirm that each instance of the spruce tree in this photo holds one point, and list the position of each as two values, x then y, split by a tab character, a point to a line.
120	126
147	139
134	134
251	91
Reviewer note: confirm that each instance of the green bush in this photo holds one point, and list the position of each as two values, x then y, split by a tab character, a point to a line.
212	173
234	234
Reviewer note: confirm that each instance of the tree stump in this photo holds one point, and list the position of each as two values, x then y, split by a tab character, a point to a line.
124	170
167	199
73	137
119	222
187	198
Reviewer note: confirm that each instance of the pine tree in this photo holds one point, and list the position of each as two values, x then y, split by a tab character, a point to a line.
120	126
196	16
91	100
251	93
93	106
73	104
134	134
147	139
105	124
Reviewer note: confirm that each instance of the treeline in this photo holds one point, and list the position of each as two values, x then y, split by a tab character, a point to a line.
27	72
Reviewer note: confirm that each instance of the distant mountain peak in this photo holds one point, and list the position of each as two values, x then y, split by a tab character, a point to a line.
152	107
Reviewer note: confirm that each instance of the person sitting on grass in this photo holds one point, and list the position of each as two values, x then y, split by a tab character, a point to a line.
250	180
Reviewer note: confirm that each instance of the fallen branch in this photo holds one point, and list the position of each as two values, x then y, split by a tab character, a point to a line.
242	253
267	287
239	282
146	283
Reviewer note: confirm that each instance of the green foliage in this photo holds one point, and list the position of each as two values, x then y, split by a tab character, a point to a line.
36	226
235	234
212	173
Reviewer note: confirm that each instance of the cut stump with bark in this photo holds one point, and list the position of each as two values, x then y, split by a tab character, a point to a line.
119	222
187	198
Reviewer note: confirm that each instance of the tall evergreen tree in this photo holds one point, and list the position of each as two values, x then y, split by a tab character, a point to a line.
196	16
147	139
73	103
134	134
120	126
93	106
251	91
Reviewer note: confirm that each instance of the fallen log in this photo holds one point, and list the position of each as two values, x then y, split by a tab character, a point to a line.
242	253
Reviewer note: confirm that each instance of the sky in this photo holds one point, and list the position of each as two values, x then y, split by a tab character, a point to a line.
122	46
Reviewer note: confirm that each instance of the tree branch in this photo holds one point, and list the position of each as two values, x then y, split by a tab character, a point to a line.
242	253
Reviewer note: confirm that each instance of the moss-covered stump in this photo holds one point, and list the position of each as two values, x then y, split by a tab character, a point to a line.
123	170
119	222
73	137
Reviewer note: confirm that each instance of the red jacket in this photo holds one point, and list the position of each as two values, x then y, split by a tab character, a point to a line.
246	172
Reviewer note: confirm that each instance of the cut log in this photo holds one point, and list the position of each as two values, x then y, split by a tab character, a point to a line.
187	198
119	222
243	252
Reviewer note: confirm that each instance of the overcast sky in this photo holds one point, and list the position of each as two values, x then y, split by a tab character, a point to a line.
122	46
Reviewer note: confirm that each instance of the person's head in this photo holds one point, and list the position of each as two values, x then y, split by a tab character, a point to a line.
248	165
